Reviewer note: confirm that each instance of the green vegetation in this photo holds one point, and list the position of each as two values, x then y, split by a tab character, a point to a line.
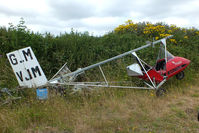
103	110
81	49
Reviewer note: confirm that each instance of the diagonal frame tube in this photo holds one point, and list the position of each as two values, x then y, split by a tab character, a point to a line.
103	75
144	69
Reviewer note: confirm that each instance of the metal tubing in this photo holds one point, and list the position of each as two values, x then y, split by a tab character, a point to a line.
110	86
59	71
145	72
103	75
161	83
110	59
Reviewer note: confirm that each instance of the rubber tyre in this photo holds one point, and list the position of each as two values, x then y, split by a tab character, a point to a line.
160	92
180	75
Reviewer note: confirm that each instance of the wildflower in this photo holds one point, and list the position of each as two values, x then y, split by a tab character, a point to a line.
197	32
164	35
170	31
184	30
134	128
185	37
151	94
156	38
173	26
129	22
173	40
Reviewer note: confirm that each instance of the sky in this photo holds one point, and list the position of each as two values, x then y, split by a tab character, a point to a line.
98	17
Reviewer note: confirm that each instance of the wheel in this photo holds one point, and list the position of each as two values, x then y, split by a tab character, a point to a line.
180	75
160	92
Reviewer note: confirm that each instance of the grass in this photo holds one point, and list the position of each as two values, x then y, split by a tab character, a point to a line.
104	111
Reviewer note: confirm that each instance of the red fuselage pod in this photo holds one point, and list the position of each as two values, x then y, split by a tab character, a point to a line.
173	67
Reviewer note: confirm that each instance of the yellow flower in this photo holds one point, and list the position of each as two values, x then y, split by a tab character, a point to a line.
185	37
134	128
197	32
170	31
173	26
129	22
156	38
151	94
164	35
173	40
184	30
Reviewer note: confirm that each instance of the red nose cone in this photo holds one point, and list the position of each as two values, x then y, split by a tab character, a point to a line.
186	61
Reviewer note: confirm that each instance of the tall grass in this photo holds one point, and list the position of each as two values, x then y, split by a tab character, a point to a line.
105	110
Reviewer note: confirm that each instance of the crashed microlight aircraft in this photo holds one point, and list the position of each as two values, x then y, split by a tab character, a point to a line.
29	73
